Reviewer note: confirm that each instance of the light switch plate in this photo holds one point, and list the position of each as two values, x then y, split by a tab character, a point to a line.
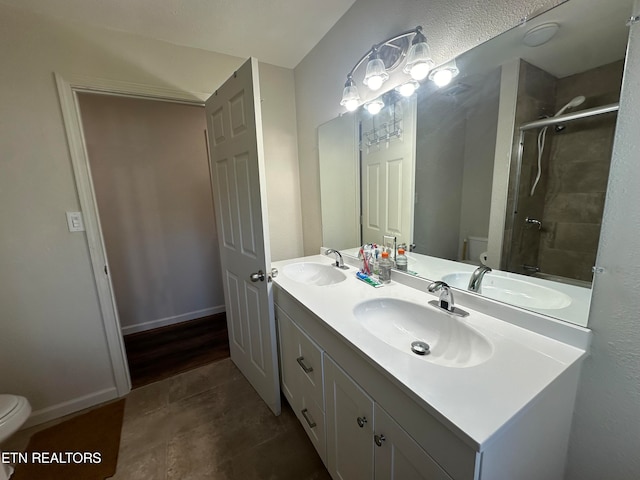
75	222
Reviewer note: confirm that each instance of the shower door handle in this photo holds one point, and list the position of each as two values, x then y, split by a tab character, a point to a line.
533	221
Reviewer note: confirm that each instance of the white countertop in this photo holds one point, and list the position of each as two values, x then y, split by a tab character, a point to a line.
477	401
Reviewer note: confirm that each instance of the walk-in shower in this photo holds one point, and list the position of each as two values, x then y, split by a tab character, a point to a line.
555	216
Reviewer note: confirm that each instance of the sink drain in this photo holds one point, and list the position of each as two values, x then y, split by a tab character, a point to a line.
420	348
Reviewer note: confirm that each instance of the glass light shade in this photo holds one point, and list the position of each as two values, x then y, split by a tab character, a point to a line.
374	107
419	61
443	75
350	97
376	74
408	89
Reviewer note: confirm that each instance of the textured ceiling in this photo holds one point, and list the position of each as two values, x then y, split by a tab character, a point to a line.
280	32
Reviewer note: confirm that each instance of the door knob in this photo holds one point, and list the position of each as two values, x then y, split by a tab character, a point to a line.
258	276
274	272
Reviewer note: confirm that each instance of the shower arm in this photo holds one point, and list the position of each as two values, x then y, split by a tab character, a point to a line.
569	117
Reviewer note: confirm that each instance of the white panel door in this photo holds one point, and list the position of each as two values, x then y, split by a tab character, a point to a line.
234	123
388	177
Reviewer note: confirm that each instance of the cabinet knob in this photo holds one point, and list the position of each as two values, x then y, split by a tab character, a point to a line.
361	421
379	439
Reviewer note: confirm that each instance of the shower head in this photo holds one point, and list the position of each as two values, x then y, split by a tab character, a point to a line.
572	104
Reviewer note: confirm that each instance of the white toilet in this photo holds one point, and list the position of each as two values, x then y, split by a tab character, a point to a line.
14	411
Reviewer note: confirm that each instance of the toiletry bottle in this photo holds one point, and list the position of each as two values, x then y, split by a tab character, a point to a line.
384	268
401	260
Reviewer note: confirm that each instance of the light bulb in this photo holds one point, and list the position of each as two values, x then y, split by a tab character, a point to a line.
445	73
350	98
374	107
442	77
351	105
375	82
408	89
420	70
376	73
419	62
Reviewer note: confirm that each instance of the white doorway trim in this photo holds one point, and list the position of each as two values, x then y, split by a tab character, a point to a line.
68	87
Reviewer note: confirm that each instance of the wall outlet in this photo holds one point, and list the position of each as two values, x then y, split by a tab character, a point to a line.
75	222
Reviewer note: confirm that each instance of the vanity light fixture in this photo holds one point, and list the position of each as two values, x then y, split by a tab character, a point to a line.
419	61
350	97
385	57
443	75
376	73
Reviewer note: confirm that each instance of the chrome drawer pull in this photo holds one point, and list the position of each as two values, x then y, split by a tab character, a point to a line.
379	439
306	369
361	421
307	417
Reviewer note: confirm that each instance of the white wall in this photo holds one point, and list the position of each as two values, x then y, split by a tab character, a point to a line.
440	150
606	428
605	440
150	174
281	161
479	153
52	343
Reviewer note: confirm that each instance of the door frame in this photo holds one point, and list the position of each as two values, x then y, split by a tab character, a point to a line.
68	87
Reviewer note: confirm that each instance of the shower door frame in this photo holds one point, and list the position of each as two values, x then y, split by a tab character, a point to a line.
545	122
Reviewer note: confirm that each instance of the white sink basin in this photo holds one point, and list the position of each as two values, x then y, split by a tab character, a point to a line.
317	274
511	290
400	323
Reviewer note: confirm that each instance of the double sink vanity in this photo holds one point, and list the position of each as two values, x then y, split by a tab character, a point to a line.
388	386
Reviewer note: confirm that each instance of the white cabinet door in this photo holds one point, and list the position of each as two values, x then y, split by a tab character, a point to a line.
301	379
349	413
398	456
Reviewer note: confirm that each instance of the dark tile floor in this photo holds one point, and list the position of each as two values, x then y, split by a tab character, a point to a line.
208	423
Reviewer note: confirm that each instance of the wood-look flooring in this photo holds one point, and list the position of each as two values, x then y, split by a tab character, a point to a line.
163	352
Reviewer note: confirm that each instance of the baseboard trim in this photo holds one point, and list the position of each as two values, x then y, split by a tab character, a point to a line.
71	406
163	322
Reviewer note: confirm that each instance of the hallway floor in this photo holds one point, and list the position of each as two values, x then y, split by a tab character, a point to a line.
207	424
160	353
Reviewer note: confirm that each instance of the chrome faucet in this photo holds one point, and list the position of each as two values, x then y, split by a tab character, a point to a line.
445	301
446	296
476	278
339	261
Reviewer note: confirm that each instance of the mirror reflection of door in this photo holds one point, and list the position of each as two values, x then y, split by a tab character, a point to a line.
387	152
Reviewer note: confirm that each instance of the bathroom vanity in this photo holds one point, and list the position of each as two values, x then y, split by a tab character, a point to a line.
490	400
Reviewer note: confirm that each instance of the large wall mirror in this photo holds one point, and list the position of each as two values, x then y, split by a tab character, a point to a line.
481	172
